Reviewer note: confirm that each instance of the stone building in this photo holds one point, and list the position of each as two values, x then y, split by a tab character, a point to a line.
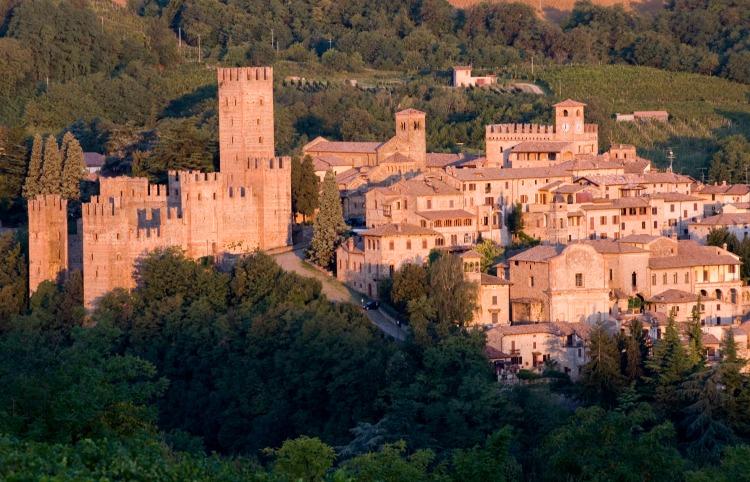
462	78
569	135
243	207
532	345
559	283
364	261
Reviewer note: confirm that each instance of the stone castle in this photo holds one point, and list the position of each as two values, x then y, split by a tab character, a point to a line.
243	207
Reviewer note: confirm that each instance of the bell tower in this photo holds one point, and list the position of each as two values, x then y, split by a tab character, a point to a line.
411	136
246	130
569	119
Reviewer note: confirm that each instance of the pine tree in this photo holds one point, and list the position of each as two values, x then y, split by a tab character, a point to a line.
602	380
670	365
307	199
696	353
74	167
51	179
328	225
32	187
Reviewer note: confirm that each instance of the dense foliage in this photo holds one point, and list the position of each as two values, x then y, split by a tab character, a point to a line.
256	364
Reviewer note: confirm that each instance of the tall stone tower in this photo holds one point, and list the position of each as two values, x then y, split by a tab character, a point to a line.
411	136
246	149
246	129
48	239
569	120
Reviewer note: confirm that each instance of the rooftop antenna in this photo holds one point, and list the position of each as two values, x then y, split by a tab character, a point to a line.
670	156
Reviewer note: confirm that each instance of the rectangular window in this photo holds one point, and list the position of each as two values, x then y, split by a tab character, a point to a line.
494	300
424	244
603	220
687	277
408	244
579	280
531	281
391	245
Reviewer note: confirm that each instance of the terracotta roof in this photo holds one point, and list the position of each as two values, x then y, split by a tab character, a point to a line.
540	146
638	238
709	339
470	254
725	219
675	197
731	189
442	159
345	146
569	103
93	159
419	186
488	279
325	162
539	253
666	177
690	253
591	163
347	176
559	328
445	214
393	229
676	296
610	246
495	354
397	158
496	173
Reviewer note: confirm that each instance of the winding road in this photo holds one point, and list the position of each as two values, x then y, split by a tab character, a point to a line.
336	291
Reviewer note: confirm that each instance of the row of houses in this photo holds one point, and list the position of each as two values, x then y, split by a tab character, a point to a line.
618	238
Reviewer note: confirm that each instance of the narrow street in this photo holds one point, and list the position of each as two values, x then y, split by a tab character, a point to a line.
336	291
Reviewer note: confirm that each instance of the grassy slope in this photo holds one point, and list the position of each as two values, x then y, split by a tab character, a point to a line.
703	109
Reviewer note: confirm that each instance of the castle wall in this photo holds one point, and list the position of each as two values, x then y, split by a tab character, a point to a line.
48	239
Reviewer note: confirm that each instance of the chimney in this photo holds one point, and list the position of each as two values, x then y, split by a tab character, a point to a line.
724	246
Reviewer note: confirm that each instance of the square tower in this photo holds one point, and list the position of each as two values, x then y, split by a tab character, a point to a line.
569	120
411	136
246	129
48	239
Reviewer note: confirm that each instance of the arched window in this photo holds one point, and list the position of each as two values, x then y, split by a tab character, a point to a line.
634	279
565	113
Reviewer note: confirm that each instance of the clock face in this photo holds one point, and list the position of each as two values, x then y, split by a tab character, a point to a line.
565	127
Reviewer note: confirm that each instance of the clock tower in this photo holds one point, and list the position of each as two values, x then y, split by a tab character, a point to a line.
569	119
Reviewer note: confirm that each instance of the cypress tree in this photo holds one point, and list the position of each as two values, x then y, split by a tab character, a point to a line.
602	380
307	201
51	180
669	365
74	167
296	168
32	187
696	353
328	225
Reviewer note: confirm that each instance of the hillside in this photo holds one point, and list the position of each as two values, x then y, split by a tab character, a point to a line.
557	9
702	108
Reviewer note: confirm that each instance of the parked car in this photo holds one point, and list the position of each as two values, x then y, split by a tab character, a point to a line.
371	305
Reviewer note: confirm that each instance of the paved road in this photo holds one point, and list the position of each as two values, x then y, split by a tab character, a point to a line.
336	291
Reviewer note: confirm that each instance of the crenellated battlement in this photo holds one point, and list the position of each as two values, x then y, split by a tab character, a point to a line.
131	188
47	202
245	74
520	129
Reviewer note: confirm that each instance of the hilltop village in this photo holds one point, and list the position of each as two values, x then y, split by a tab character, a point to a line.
607	237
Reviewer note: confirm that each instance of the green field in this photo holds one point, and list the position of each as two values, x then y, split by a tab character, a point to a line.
703	109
